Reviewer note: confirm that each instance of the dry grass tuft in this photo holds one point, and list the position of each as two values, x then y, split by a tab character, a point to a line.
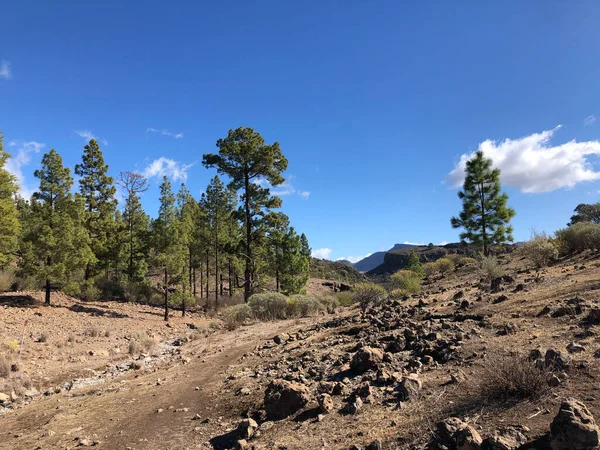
4	367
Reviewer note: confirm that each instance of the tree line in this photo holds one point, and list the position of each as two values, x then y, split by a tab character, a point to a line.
80	240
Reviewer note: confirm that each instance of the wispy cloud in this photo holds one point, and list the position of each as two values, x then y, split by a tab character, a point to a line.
21	156
88	136
590	120
287	188
165	132
321	253
5	70
532	165
167	167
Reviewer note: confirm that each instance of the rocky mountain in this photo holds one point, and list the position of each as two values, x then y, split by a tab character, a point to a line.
334	270
398	259
376	259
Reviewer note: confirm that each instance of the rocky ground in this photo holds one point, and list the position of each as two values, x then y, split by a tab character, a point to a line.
458	367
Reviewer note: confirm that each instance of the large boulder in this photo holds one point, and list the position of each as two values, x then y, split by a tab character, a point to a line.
283	398
574	428
458	435
506	439
365	359
409	387
246	428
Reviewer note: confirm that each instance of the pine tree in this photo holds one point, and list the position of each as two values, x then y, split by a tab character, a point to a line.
168	249
414	264
187	211
136	223
98	192
485	216
245	158
9	216
55	243
279	224
296	265
218	202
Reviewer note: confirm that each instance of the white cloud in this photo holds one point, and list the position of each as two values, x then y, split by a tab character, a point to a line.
532	165
165	132
589	120
5	70
304	194
21	156
88	136
354	259
321	253
169	167
287	188
413	243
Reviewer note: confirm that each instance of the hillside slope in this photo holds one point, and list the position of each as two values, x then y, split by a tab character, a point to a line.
377	258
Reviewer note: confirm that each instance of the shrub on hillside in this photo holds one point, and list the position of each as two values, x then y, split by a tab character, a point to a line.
406	280
466	261
397	294
455	258
268	306
445	266
579	236
541	251
345	298
90	292
110	289
330	303
430	268
491	268
369	294
7	279
138	291
303	305
236	315
4	367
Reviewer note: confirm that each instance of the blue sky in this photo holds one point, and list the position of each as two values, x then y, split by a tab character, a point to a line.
373	102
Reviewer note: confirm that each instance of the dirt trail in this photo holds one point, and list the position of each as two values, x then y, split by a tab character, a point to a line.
123	412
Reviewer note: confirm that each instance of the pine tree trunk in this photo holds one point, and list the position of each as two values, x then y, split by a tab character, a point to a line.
277	279
194	290
183	300
166	295
230	279
47	292
221	283
201	282
247	272
216	272
207	275
483	234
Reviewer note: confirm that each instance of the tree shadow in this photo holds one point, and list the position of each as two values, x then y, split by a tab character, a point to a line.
79	308
19	301
307	415
224	441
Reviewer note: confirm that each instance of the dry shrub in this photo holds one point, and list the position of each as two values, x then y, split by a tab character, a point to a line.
304	305
540	250
407	280
4	367
430	268
236	315
44	337
268	306
12	346
92	332
445	266
330	303
7	280
510	378
491	268
134	347
579	236
142	343
345	298
369	294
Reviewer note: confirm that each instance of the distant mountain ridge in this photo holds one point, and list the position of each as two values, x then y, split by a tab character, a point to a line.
376	259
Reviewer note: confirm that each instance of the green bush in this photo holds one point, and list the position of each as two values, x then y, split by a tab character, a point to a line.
491	268
466	261
110	289
330	303
445	266
579	236
397	294
406	280
541	251
368	294
89	291
268	306
345	298
179	297
430	268
7	280
138	291
306	305
236	315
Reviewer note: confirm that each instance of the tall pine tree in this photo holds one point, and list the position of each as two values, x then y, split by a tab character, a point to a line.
98	192
136	223
55	243
245	158
9	216
485	216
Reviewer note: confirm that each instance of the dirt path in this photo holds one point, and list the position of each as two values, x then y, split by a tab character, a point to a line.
123	413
